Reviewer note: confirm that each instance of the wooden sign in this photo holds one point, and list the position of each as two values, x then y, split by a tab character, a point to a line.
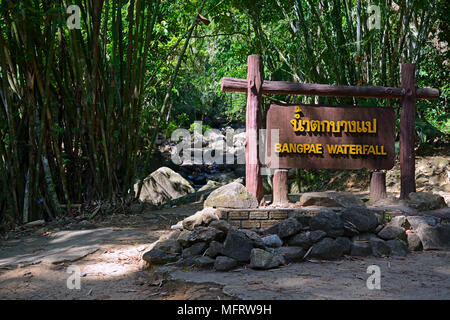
330	137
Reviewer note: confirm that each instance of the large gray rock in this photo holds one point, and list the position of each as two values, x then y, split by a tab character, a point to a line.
357	220
361	248
392	232
328	249
397	247
261	259
221	225
238	246
194	250
204	217
170	246
379	247
255	238
330	199
232	195
157	257
425	201
433	234
291	254
399	222
162	185
414	243
288	227
225	263
272	241
307	239
346	243
204	262
200	234
215	249
327	220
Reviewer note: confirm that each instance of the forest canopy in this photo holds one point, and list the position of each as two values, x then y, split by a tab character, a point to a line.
81	105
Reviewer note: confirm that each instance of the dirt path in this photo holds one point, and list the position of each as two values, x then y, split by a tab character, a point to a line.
108	254
34	265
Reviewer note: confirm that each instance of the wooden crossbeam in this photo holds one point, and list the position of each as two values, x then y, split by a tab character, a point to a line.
255	87
325	90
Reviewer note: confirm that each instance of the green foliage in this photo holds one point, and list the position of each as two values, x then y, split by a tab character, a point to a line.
91	101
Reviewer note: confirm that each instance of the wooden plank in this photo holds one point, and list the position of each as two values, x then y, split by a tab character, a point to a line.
407	134
280	187
253	179
283	87
377	186
353	153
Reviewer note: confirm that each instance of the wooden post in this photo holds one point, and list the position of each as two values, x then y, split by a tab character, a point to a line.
253	124
280	187
377	186
407	133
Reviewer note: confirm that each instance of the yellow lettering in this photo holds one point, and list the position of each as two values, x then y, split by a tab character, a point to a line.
331	148
277	147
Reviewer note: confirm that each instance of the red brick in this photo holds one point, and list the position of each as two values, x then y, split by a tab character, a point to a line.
278	215
248	224
233	215
268	223
259	215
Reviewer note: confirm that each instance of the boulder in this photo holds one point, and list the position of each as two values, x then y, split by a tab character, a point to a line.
328	221
261	259
357	220
221	225
199	234
157	257
330	199
328	249
361	248
291	254
433	234
194	250
414	243
303	218
391	232
425	201
225	263
232	195
379	247
237	246
272	241
306	239
215	249
346	243
399	222
169	246
397	247
210	184
204	216
162	185
204	262
288	227
255	238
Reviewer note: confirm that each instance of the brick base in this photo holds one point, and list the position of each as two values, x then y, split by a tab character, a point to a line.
261	218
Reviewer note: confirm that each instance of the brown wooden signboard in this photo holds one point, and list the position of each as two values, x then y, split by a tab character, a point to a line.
330	137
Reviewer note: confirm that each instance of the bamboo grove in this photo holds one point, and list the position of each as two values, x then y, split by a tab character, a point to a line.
80	109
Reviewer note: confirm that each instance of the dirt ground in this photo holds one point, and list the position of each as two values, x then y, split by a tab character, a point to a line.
107	250
113	271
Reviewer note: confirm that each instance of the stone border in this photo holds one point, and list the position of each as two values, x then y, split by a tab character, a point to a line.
262	218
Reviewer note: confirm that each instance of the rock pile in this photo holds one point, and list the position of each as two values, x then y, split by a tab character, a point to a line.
355	231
